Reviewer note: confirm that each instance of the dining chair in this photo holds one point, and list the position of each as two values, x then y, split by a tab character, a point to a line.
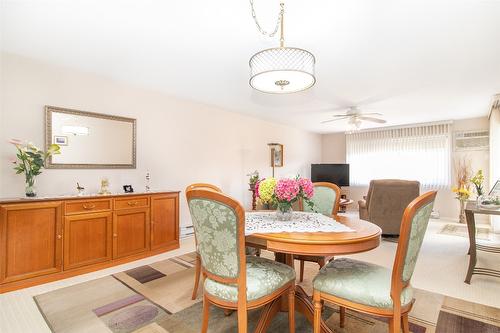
326	201
373	289
233	280
197	273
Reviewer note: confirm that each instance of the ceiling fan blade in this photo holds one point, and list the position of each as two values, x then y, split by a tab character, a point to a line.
329	121
370	114
341	115
375	120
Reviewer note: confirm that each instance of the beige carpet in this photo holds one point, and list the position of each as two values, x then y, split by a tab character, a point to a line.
156	299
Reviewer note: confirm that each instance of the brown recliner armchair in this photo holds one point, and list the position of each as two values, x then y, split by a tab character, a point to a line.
386	201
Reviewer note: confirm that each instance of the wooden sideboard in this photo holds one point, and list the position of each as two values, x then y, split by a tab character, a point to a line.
43	240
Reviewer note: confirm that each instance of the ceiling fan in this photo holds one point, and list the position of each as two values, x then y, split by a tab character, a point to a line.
356	117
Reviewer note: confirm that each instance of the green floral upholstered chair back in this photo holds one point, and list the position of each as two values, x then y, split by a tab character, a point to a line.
326	199
417	214
217	233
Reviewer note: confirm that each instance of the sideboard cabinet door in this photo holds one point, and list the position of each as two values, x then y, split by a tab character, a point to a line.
87	239
130	232
164	220
30	240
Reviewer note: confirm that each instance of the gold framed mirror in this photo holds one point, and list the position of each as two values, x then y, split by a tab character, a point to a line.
90	140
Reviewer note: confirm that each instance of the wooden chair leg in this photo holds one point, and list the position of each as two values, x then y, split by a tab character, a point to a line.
321	262
395	325
196	277
291	308
242	320
317	312
206	312
342	316
301	270
405	323
391	325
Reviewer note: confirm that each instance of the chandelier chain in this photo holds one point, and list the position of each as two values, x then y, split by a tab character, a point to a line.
259	27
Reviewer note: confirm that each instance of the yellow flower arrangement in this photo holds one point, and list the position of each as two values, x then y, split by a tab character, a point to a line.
477	181
462	193
266	189
463	174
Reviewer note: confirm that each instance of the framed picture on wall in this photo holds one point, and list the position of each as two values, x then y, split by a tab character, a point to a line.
61	140
495	190
277	155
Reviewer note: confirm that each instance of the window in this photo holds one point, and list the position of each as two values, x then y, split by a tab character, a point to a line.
420	153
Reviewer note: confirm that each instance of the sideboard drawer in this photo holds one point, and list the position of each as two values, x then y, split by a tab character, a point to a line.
131	202
88	206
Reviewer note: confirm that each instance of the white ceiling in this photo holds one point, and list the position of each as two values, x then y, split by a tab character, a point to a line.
413	61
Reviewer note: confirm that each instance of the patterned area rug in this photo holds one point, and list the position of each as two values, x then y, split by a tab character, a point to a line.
482	233
157	299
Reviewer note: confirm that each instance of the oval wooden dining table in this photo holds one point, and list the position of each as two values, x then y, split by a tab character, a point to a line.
366	236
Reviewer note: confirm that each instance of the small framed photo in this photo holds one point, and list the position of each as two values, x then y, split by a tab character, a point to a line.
61	140
128	189
495	190
277	155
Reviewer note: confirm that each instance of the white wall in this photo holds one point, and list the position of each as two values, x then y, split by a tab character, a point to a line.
334	151
495	156
178	141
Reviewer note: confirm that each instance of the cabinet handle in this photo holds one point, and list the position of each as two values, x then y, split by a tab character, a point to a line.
59	236
88	206
132	203
115	235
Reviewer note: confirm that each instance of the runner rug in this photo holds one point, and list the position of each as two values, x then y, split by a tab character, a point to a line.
482	233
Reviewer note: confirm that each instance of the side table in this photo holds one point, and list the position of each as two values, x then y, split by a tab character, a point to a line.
470	210
343	204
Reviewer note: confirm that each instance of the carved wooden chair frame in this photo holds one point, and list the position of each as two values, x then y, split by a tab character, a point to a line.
398	315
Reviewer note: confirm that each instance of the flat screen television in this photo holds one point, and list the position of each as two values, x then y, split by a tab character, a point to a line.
332	173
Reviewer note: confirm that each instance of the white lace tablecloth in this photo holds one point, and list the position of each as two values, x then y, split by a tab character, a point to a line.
266	223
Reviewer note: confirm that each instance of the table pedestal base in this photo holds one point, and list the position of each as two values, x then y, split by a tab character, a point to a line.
303	305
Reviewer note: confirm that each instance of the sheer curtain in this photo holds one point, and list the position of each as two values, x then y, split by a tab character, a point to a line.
420	153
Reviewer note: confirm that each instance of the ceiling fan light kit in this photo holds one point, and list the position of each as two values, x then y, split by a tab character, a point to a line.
281	70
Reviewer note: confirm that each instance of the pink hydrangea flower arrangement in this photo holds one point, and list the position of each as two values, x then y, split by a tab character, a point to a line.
287	189
285	192
306	187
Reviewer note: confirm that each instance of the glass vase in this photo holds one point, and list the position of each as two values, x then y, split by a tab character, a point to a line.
480	199
284	212
30	188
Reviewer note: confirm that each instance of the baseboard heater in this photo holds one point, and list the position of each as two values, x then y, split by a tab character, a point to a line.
187	231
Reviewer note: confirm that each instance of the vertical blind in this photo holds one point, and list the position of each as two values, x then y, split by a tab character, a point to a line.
420	153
